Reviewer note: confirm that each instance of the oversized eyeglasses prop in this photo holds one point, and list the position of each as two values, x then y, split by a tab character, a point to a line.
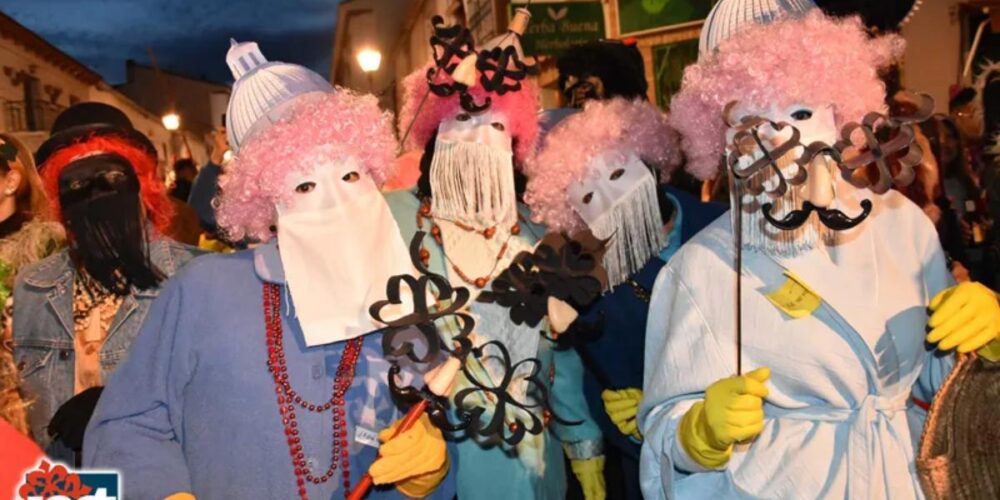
486	408
876	153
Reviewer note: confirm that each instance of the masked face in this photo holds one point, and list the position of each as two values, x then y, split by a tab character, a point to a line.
338	245
472	170
785	225
326	187
487	129
618	201
102	210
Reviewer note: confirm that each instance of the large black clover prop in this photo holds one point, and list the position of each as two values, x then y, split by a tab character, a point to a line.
500	69
749	148
871	148
396	335
398	343
568	269
523	414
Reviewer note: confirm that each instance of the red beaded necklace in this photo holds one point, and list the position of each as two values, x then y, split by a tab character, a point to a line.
288	399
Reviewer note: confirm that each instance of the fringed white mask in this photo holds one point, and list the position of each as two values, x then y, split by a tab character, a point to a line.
472	183
472	172
815	123
618	201
339	244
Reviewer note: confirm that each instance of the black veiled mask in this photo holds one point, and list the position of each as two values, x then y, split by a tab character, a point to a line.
102	210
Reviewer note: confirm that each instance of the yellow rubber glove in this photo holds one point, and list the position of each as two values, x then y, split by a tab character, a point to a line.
622	406
733	411
210	244
965	317
416	460
590	473
180	496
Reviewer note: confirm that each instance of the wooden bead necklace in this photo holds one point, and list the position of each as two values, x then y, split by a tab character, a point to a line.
488	233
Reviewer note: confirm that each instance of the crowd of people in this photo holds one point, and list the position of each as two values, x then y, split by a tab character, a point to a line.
770	292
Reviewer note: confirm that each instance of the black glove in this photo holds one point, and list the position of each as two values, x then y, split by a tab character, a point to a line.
71	419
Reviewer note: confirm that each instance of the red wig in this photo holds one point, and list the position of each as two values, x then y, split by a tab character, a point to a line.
154	194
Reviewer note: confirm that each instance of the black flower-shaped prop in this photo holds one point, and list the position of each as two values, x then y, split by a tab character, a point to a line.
881	151
505	417
499	69
415	336
560	267
754	159
398	337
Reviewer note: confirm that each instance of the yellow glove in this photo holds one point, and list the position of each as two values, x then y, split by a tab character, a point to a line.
210	244
966	316
180	496
733	411
622	406
416	460
590	473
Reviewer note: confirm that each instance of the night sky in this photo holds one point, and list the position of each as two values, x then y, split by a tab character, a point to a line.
188	36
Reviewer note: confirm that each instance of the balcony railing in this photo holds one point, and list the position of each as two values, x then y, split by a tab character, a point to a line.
30	115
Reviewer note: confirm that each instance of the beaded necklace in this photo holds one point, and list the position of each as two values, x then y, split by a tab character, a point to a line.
288	398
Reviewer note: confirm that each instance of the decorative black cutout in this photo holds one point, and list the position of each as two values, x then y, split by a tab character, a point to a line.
470	415
559	267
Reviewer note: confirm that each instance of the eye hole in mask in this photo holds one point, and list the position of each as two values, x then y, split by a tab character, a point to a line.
587	198
351	177
617	174
499	126
463	117
802	115
305	187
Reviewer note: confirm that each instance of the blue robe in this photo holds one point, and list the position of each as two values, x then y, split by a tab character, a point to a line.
492	472
194	407
838	415
613	349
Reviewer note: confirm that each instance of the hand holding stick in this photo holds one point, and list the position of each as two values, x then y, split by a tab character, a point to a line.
439	382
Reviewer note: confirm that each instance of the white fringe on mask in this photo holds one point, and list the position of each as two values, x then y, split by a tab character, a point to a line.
635	227
759	235
473	183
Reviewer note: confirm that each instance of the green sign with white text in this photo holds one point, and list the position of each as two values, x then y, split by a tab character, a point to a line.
554	27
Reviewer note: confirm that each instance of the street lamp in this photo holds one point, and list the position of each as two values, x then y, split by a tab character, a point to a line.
369	60
171	121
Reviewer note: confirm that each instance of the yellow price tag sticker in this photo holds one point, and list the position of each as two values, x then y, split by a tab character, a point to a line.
794	297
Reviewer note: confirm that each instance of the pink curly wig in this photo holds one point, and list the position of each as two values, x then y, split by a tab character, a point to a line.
521	109
614	126
345	124
810	60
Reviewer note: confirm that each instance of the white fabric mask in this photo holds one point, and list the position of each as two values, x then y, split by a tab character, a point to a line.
619	201
339	244
488	129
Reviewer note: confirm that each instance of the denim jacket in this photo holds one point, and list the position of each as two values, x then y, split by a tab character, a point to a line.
44	329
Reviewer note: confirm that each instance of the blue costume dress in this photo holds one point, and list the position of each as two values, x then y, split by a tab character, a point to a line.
193	409
612	339
490	471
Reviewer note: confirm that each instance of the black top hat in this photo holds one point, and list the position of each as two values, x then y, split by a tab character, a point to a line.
90	119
